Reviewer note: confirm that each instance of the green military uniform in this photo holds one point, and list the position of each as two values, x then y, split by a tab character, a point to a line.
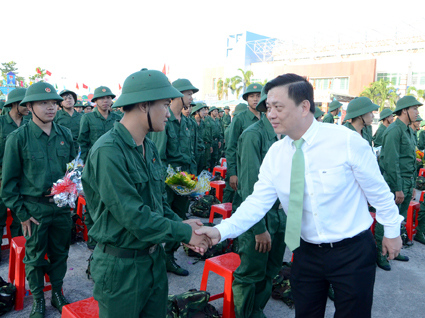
377	138
212	136
70	122
364	133
199	145
7	125
175	149
252	285
227	119
329	118
125	190
32	162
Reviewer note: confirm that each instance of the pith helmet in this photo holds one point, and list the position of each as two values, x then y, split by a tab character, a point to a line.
240	108
192	104
419	118
211	109
198	106
79	104
385	113
334	105
226	107
318	112
65	91
145	86
17	95
102	91
253	88
87	104
405	102
40	91
183	84
261	106
220	110
360	106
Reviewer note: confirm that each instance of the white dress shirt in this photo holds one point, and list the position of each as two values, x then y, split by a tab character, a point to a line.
341	176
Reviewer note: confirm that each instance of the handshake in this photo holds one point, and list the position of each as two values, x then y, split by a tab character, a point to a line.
203	237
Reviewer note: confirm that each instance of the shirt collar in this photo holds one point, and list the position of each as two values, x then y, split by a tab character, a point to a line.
99	115
125	135
37	131
9	119
310	133
251	115
172	117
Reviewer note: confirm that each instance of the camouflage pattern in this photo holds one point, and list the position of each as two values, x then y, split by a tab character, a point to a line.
7	296
203	206
191	304
420	183
282	286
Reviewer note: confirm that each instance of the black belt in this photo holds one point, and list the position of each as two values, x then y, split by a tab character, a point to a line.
344	242
39	199
126	253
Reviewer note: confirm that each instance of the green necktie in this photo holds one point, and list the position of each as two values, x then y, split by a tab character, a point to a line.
296	198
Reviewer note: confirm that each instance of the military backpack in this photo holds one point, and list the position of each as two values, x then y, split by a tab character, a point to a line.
7	296
191	304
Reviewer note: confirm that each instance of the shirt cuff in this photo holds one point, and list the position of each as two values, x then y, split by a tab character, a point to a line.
393	231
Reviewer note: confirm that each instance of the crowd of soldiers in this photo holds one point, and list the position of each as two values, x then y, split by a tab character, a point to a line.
129	209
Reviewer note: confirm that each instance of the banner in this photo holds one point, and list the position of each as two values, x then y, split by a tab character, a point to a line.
11	79
6	90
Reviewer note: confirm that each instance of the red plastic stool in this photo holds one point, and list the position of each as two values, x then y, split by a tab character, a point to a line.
421	172
86	308
17	271
225	209
81	203
223	265
222	170
219	187
8	234
372	227
412	214
223	160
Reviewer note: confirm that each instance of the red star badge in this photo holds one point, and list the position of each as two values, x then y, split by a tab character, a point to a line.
48	90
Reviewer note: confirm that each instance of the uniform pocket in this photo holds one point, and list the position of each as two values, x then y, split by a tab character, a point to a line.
35	162
332	179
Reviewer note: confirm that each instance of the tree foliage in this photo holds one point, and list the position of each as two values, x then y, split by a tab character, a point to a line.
10	67
380	92
246	78
418	93
235	86
220	89
38	76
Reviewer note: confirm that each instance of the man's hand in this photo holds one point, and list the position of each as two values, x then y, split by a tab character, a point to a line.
211	232
399	197
211	149
26	226
199	243
263	242
391	246
194	223
233	181
219	144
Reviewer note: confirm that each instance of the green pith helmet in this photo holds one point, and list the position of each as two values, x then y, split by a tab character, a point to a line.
253	88
386	112
419	118
334	105
226	107
422	123
405	102
102	91
360	106
240	108
183	84
145	86
192	104
17	95
211	109
261	106
79	104
40	91
318	112
86	104
198	106
220	110
65	91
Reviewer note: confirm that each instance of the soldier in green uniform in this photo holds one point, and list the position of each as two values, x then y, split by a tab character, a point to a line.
318	114
124	185
88	108
360	110
334	107
386	116
421	137
223	143
35	157
228	192
227	119
213	130
8	123
198	114
398	163
175	149
79	107
186	111
67	116
239	124
262	247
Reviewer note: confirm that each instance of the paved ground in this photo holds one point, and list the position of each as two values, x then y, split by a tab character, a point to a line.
398	293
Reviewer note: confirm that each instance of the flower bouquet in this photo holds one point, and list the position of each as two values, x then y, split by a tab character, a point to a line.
184	183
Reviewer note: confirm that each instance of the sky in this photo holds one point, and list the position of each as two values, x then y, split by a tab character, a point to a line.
102	42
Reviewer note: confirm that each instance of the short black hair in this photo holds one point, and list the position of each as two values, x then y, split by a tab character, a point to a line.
129	108
398	113
299	88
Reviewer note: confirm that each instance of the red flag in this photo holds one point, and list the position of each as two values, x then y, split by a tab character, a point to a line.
22	83
85	86
77	86
38	70
48	73
119	86
164	70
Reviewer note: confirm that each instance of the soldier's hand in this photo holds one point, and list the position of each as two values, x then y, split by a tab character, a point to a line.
233	181
26	226
194	223
399	197
263	242
211	149
391	246
219	145
199	243
211	232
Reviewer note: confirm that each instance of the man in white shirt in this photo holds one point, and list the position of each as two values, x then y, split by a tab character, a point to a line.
340	176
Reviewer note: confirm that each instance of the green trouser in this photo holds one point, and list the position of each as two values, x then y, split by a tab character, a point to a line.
130	287
200	161
214	156
228	192
252	285
180	205
207	157
420	227
88	221
47	237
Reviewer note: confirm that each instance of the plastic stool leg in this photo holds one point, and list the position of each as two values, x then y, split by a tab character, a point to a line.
228	305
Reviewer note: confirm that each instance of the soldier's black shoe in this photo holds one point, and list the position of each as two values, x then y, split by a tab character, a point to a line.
401	258
172	267
58	300
38	308
382	262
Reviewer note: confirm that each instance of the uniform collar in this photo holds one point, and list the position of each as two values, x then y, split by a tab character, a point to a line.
349	126
268	128
9	119
37	131
99	115
125	135
398	122
310	133
251	115
172	117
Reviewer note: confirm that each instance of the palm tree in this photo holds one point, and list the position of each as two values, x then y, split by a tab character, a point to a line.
263	83
220	89
226	86
379	92
419	93
246	78
234	82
